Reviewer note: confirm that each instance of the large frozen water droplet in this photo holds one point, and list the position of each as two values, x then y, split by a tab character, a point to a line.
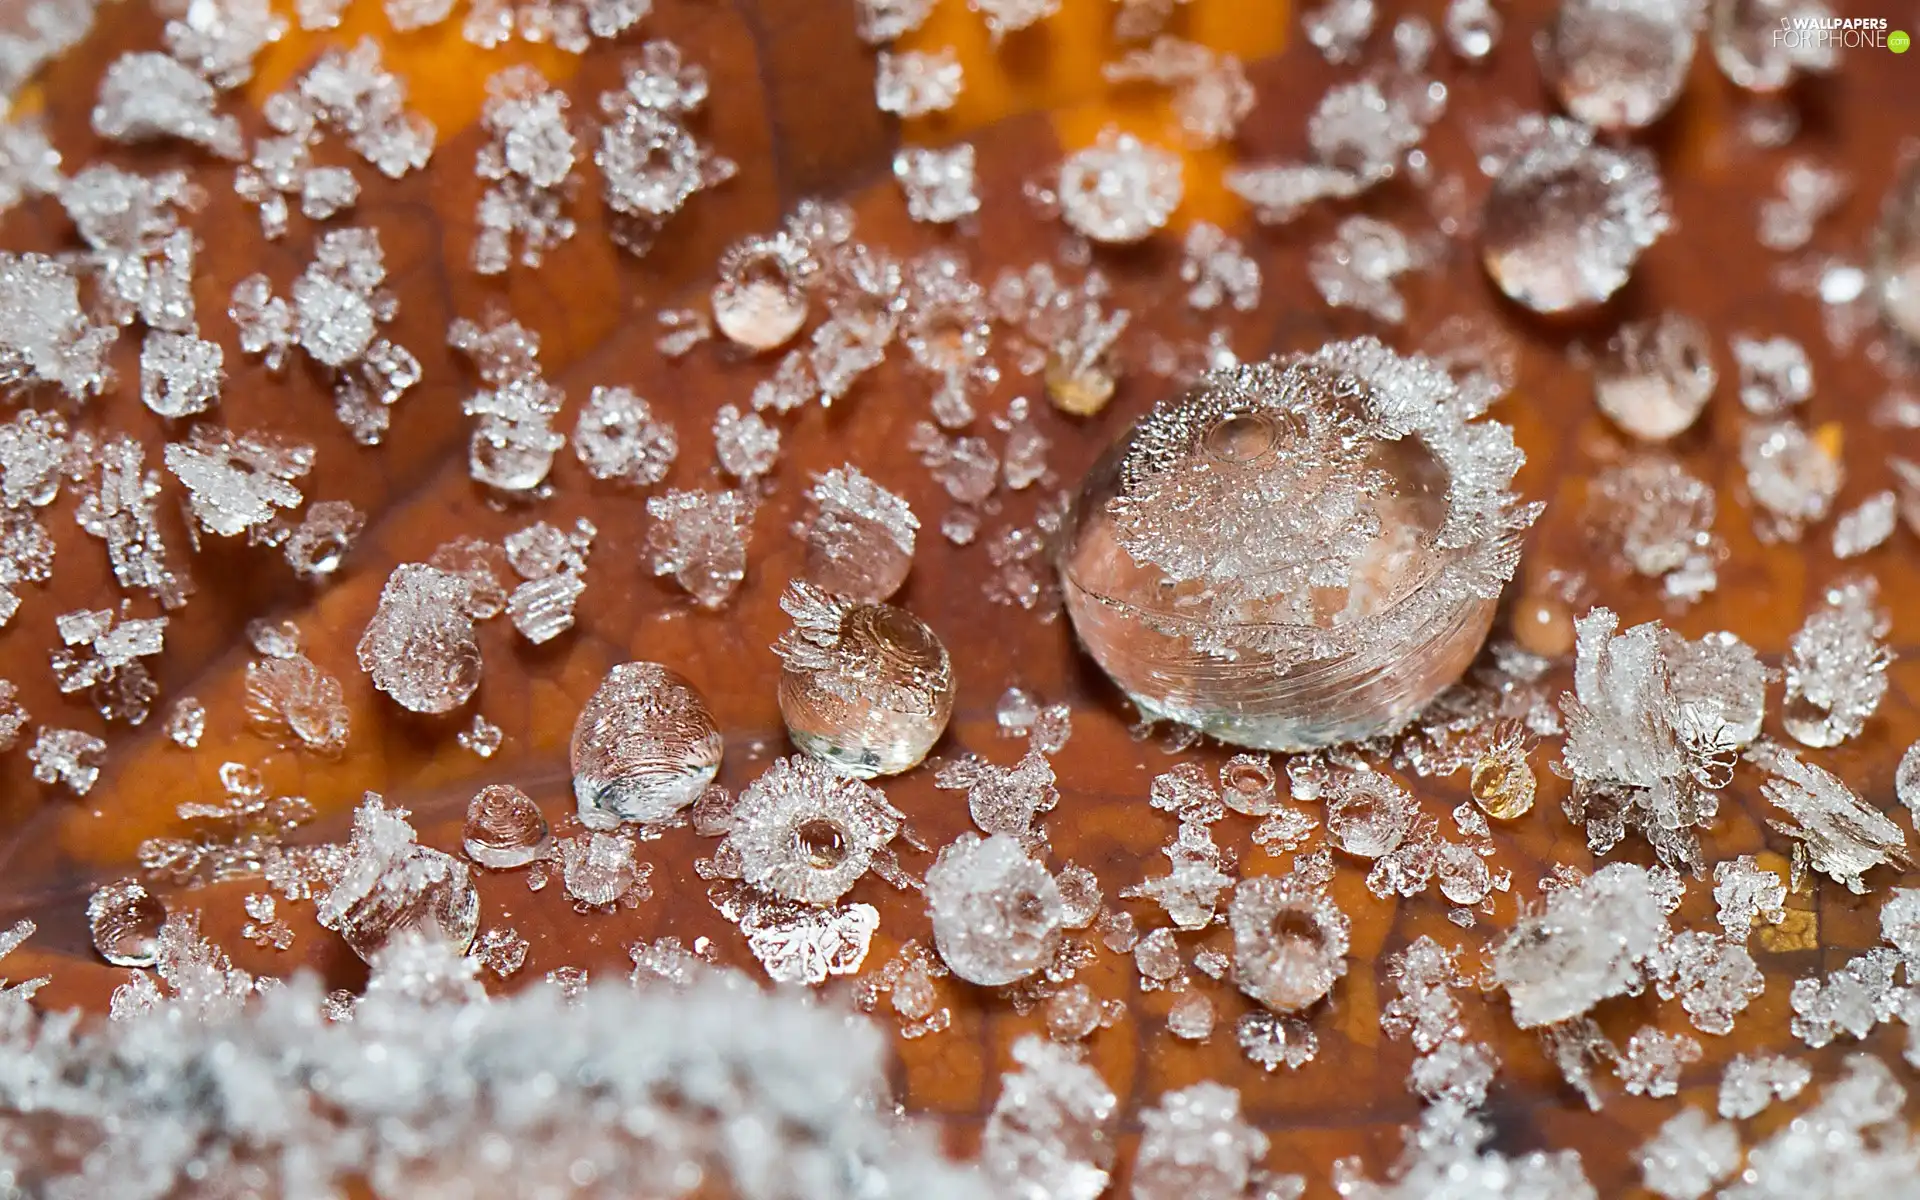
1566	218
419	647
1620	64
124	919
866	687
504	828
644	748
996	912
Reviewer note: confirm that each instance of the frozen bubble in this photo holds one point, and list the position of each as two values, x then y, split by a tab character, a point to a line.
504	828
1620	64
124	919
1368	813
1567	218
805	832
866	687
996	913
1289	942
1502	781
644	747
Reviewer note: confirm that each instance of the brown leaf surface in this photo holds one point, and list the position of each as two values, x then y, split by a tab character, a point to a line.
792	104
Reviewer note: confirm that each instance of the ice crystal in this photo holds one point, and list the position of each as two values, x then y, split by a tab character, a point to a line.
529	165
513	441
1866	526
1473	28
1656	376
1714	979
650	162
1585	945
68	757
939	184
1808	192
1659	519
860	536
1194	1143
882	21
1003	799
109	669
1792	476
1338	28
1690	1153
1745	893
419	647
1774	374
804	832
146	95
996	912
1190	891
1842	836
144	259
389	884
1836	665
236	481
45	335
1752	1082
1050	1134
618	437
1211	93
914	83
745	445
1219	270
1444	1156
1289	942
294	702
700	538
1358	268
1119	189
353	94
570	25
1851	1000
1853	1141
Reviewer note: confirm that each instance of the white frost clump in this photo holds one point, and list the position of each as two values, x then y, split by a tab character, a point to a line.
1587	944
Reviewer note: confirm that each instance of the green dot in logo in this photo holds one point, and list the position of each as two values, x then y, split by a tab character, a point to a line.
1898	41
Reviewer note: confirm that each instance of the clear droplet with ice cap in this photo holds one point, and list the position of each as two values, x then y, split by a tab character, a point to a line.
124	919
866	687
761	301
644	748
504	828
1296	553
1620	64
1567	218
1656	377
1895	262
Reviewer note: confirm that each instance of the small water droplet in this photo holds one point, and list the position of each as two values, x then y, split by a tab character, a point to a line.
504	828
124	919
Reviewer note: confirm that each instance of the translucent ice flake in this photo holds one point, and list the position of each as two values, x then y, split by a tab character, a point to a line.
914	83
1289	942
805	832
1119	189
1194	1144
145	95
1751	1083
513	441
619	438
996	913
1715	980
236	481
352	93
1843	836
866	687
860	536
1358	267
939	184
1584	946
1656	376
1050	1134
599	872
68	757
388	884
1444	1156
1190	891
419	646
294	702
1639	756
45	335
529	165
1620	65
1836	665
802	944
1368	813
1689	1154
1002	799
1745	893
643	748
1567	217
504	828
700	538
124	921
744	444
180	374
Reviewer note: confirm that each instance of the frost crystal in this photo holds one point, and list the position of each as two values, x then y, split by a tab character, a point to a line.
292	701
318	544
1751	1083
1119	189
700	538
1851	1000
1002	799
619	438
1866	526
1689	1155
513	441
1853	1142
119	683
939	184
420	648
1808	192
180	374
1639	756
650	163
1357	268
1659	519
1219	270
1289	942
1746	893
1473	28
1211	92
1842	835
570	25
1584	946
860	536
1792	476
1656	376
1050	1134
1194	1144
236	481
350	92
804	832
914	83
1837	665
1774	374
745	445
644	747
1652	1061
1338	28
996	912
45	336
529	164
119	510
1443	1157
388	884
67	756
144	96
